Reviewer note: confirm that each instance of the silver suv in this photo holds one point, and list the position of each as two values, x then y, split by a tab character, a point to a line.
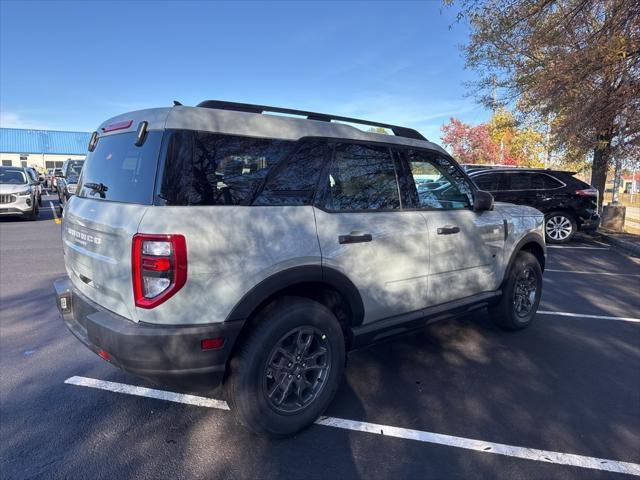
221	243
18	192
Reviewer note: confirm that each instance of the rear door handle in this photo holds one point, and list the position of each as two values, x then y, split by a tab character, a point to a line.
448	230
355	237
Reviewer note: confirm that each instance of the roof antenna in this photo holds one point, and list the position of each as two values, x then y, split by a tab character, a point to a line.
176	103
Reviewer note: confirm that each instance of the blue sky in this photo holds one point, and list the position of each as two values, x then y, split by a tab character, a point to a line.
71	65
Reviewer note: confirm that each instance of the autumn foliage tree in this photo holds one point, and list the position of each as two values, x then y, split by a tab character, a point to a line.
501	141
575	63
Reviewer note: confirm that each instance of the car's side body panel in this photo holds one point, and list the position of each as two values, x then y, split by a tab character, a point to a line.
230	250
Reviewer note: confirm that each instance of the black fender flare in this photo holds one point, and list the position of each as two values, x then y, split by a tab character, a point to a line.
528	238
295	276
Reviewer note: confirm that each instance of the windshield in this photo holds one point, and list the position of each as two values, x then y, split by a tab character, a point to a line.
13	177
74	169
119	171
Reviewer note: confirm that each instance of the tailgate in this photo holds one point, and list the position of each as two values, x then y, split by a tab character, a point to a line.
96	240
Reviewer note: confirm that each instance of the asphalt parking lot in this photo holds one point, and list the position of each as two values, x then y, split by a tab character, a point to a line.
458	399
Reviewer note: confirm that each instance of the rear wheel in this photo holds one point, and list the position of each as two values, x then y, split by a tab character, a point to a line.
286	372
559	227
520	294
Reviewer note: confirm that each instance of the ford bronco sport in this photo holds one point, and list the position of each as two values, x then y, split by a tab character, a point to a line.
223	243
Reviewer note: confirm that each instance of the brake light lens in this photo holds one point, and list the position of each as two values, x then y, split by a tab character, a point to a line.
587	192
159	268
117	126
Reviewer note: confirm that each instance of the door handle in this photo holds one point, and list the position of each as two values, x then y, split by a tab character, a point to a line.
355	237
448	230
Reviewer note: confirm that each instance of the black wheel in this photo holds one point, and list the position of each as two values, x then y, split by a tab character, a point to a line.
559	227
520	294
286	372
34	212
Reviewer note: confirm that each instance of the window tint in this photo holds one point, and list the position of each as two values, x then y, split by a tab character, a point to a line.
550	182
294	180
362	177
204	168
532	181
433	181
119	170
486	181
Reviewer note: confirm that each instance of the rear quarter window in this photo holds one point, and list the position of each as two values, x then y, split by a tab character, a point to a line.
203	168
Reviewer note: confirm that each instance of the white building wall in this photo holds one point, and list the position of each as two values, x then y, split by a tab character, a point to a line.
37	160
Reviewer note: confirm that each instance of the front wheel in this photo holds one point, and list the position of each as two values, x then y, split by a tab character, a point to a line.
287	371
559	227
520	295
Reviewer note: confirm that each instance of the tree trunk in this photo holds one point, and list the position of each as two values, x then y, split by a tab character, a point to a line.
601	157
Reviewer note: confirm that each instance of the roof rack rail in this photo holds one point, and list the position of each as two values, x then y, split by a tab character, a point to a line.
323	117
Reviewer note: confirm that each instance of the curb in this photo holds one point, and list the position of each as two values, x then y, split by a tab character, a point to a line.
627	245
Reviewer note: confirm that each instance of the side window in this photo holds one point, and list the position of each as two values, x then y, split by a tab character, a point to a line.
203	168
537	181
433	181
550	182
486	181
294	180
362	177
520	181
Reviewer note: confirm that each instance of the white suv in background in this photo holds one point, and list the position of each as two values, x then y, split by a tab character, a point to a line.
220	243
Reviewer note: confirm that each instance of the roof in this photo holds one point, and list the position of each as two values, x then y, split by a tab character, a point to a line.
516	170
233	122
19	140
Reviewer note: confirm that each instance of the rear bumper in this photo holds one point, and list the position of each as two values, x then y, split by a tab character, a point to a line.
171	355
591	223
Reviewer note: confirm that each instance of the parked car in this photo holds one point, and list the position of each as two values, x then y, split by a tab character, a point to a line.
36	183
68	182
57	173
18	194
218	244
569	204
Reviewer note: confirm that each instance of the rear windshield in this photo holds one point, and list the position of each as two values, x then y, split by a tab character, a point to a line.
118	171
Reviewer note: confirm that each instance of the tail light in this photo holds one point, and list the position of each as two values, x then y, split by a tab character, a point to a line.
159	268
587	192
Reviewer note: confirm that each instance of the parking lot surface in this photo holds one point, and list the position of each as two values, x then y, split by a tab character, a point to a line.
457	399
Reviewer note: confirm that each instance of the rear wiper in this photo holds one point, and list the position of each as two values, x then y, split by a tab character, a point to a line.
97	188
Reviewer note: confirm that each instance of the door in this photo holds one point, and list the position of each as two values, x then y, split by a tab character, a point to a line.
364	234
465	246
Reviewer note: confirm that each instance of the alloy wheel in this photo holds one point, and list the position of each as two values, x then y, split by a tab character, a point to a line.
297	369
558	227
525	291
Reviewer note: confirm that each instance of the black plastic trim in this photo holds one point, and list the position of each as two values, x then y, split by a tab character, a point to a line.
295	276
373	332
323	117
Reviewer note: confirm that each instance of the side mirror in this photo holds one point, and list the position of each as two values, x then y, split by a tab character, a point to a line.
482	201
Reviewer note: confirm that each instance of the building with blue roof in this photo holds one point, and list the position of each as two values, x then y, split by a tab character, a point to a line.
41	148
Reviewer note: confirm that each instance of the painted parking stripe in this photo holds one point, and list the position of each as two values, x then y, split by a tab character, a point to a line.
577	247
545	456
584	315
55	215
592	273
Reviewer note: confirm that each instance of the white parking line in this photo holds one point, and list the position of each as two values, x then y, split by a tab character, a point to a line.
591	273
584	315
545	456
55	215
578	247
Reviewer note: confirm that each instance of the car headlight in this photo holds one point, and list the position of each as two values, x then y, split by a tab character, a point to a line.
71	188
23	193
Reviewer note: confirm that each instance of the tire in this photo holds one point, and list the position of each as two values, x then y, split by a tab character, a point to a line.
34	212
254	374
506	313
559	227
